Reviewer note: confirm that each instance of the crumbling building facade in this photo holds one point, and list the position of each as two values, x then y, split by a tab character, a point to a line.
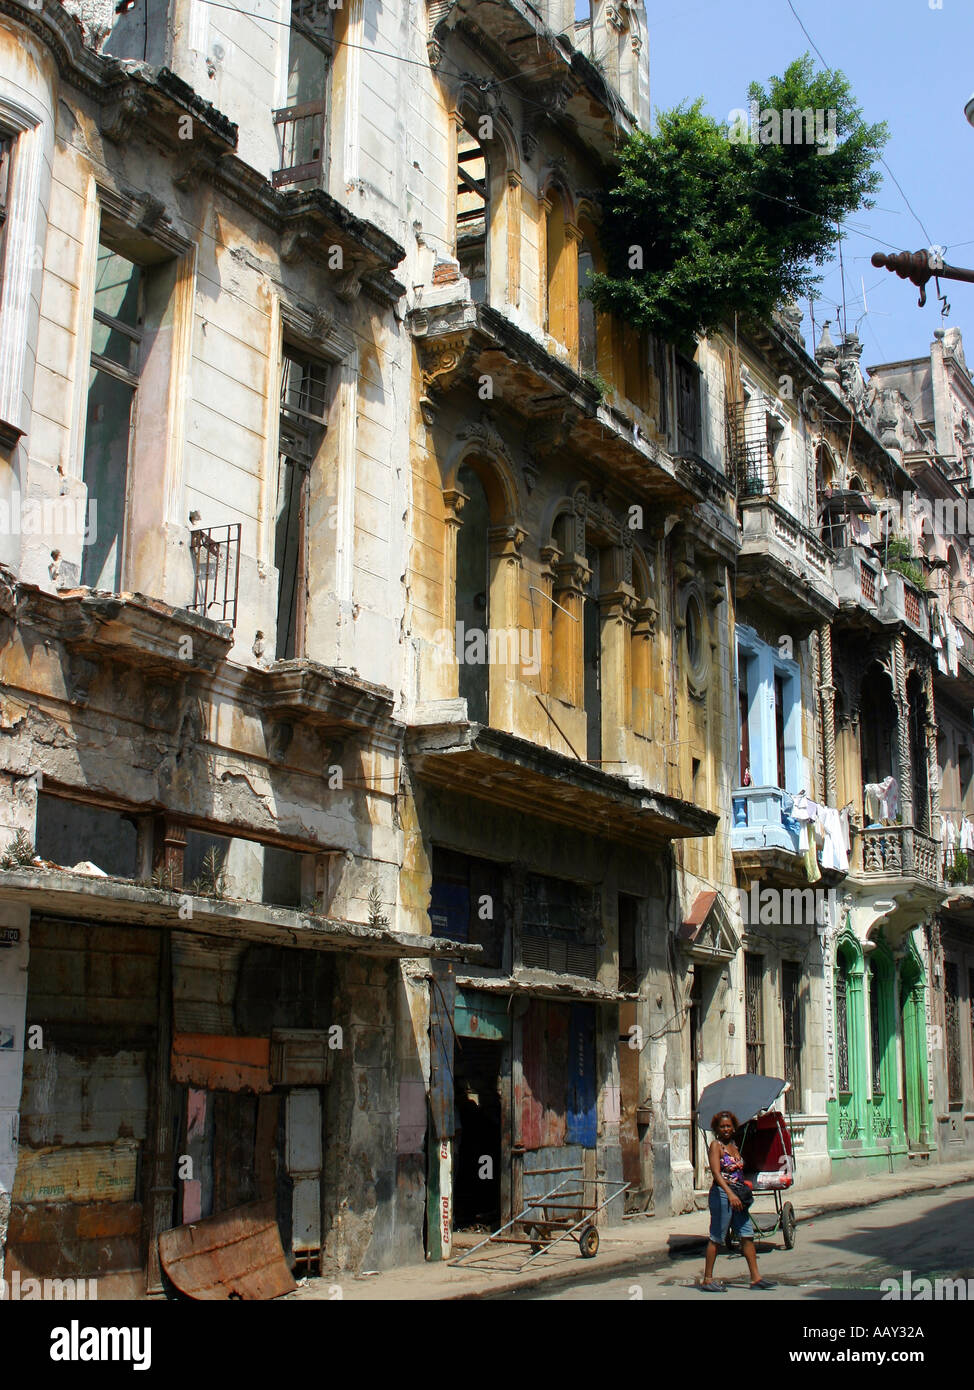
409	674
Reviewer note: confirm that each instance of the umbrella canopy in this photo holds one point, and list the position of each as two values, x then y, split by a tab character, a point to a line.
745	1095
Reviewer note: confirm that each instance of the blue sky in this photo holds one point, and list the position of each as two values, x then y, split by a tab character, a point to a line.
910	65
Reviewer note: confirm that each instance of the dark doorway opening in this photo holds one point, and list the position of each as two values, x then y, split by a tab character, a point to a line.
477	1142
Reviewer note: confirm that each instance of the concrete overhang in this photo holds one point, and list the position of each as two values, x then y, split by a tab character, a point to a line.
459	342
73	896
783	564
543	984
774	867
895	903
131	629
324	697
509	771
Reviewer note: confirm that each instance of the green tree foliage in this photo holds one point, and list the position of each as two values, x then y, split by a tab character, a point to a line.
729	224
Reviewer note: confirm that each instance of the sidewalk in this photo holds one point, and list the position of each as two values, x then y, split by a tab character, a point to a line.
639	1244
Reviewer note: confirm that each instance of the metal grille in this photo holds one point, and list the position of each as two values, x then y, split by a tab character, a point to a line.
842	1029
955	1084
867	583
791	1006
911	606
754	1013
302	133
216	560
540	952
874	1042
750	450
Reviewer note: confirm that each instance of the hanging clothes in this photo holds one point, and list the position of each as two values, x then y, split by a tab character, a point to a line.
834	853
812	872
966	835
948	841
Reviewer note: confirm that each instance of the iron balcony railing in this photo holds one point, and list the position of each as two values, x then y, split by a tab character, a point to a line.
216	560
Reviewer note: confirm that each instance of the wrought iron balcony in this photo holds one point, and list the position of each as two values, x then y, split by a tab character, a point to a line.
216	559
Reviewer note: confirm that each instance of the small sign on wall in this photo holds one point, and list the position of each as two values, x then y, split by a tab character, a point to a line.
9	937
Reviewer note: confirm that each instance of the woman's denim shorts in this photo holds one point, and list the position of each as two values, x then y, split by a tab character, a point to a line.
722	1216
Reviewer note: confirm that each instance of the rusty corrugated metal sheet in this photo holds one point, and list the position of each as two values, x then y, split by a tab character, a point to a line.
220	1063
544	1072
237	1254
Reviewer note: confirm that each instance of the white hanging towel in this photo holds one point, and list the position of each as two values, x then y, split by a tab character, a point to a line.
834	855
966	835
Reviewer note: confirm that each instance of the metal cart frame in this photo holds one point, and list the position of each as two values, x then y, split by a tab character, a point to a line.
543	1232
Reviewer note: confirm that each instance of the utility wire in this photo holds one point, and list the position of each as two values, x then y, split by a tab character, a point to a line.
882	160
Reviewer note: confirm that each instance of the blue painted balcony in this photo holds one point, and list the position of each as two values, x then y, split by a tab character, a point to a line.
760	822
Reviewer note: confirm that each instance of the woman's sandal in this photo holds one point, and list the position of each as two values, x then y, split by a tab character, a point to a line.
764	1284
713	1287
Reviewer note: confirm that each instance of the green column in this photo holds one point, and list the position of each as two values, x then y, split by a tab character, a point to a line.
858	1073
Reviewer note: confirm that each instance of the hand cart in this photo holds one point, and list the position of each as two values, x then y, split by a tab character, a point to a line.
552	1217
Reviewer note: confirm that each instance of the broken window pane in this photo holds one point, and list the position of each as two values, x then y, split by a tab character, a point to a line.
115	347
303	420
473	212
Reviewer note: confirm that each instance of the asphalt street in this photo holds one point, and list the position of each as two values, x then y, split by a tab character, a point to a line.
845	1256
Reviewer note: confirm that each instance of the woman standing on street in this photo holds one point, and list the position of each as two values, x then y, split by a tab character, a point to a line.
726	1208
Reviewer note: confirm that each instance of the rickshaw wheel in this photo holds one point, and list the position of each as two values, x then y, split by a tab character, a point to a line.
788	1224
588	1243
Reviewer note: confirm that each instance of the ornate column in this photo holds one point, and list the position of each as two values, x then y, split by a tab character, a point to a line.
513	237
571	576
504	635
901	700
644	619
453	503
826	692
568	283
616	613
544	212
933	767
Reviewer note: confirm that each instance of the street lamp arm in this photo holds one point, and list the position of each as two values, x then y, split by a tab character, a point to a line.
919	267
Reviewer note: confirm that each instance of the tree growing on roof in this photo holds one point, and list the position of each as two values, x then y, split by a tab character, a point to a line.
707	220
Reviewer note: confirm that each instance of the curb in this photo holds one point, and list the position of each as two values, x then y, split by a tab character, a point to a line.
653	1259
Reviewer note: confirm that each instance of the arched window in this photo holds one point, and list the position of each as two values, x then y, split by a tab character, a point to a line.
473	210
472	596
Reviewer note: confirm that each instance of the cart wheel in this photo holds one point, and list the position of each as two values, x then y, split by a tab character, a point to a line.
788	1224
588	1243
537	1238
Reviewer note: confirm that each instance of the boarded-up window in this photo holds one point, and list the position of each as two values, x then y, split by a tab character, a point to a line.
558	1090
560	925
467	902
